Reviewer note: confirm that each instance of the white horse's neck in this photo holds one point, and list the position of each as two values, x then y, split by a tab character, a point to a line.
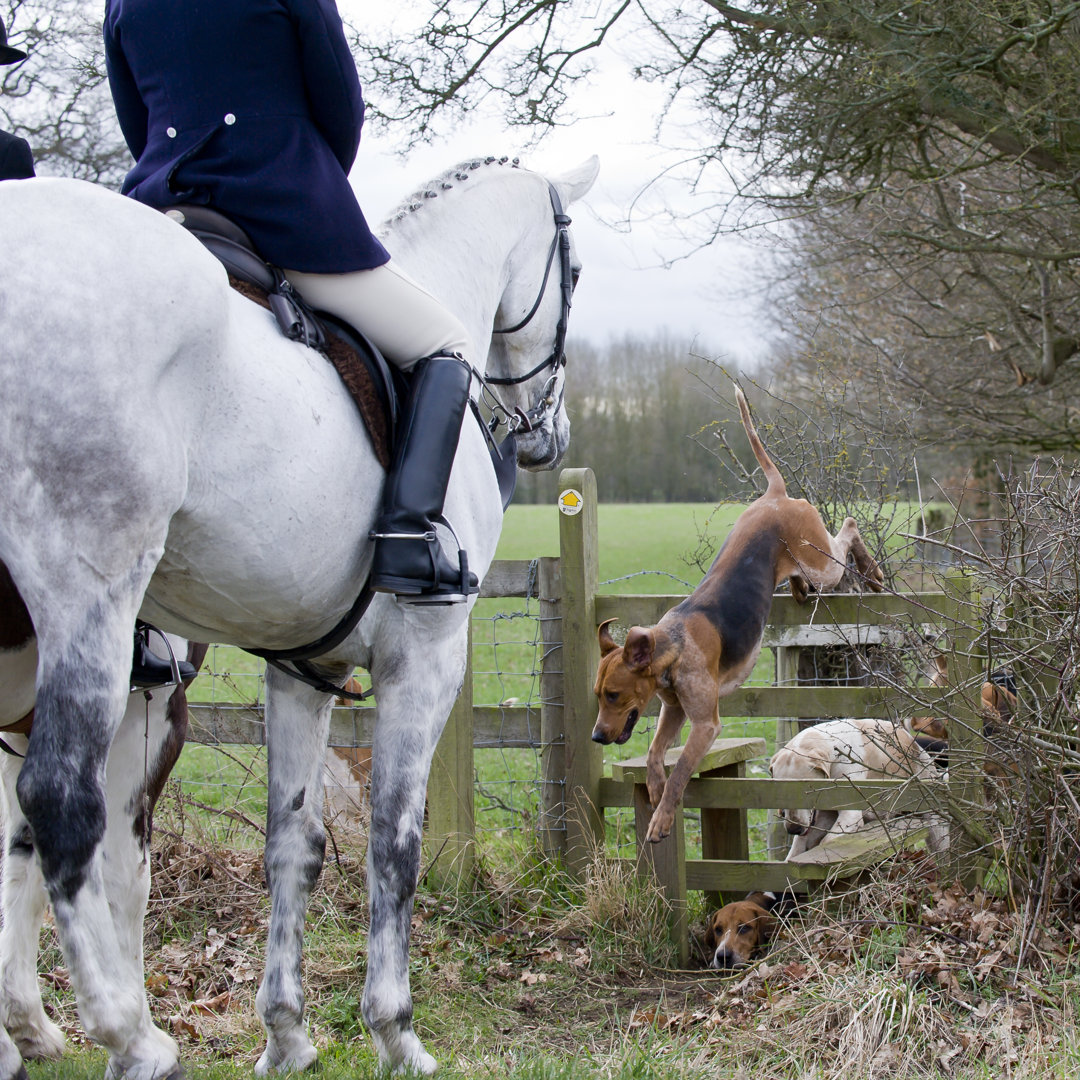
456	236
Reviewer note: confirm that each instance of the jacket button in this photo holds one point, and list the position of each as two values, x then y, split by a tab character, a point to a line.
171	132
230	118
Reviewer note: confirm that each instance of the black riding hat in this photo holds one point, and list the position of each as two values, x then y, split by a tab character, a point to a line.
8	53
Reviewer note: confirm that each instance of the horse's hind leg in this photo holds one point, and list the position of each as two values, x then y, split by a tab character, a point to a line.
81	697
297	725
24	900
143	753
414	692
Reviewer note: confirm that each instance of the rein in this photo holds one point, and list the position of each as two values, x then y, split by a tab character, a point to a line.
546	403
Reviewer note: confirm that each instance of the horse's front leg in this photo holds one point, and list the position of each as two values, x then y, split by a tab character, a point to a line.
24	901
81	697
415	686
297	726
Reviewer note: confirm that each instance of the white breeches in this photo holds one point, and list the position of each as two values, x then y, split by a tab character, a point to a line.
405	322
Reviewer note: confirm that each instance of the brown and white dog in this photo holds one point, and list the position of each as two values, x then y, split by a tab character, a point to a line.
706	647
850	750
997	702
739	931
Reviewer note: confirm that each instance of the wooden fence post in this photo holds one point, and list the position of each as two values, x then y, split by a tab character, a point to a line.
787	727
583	759
450	833
967	747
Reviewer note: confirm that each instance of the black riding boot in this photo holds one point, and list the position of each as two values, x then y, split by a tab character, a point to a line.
148	669
409	559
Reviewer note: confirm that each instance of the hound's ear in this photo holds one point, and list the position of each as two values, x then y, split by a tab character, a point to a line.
710	933
607	642
818	759
639	648
765	924
766	900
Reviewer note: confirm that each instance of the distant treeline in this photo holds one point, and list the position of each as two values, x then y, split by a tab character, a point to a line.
643	417
656	422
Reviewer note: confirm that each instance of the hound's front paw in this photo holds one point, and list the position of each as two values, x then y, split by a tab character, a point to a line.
655	782
660	825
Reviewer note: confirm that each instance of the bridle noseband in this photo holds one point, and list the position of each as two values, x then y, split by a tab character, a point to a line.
546	404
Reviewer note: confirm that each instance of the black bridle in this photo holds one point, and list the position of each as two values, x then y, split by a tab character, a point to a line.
546	404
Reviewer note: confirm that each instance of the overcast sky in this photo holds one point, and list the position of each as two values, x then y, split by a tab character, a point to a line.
625	286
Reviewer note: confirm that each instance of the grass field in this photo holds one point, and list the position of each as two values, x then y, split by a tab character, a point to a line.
526	975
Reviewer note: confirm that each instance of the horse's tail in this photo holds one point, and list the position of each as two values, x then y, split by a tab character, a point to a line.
772	473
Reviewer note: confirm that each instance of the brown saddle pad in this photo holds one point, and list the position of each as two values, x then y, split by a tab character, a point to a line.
354	374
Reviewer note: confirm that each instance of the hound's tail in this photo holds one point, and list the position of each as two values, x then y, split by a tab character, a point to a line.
772	473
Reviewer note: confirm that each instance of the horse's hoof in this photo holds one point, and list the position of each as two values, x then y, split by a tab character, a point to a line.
41	1040
273	1060
423	1064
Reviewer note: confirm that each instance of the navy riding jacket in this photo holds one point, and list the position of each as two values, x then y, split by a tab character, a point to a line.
252	107
16	160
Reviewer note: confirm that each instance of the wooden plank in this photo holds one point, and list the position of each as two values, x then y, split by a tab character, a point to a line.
829	702
449	840
507	727
613	793
835	858
969	837
666	861
722	752
724	831
816	637
787	727
510	577
813	702
855	850
897	796
552	823
494	726
226	725
735	878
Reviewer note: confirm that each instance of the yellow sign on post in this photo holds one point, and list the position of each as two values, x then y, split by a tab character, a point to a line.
570	502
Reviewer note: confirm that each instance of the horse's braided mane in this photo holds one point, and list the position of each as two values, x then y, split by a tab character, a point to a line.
445	182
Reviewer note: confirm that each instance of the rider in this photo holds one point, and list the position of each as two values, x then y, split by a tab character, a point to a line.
254	108
16	160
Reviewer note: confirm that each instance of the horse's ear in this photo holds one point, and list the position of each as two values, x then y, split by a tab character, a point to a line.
575	183
603	635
